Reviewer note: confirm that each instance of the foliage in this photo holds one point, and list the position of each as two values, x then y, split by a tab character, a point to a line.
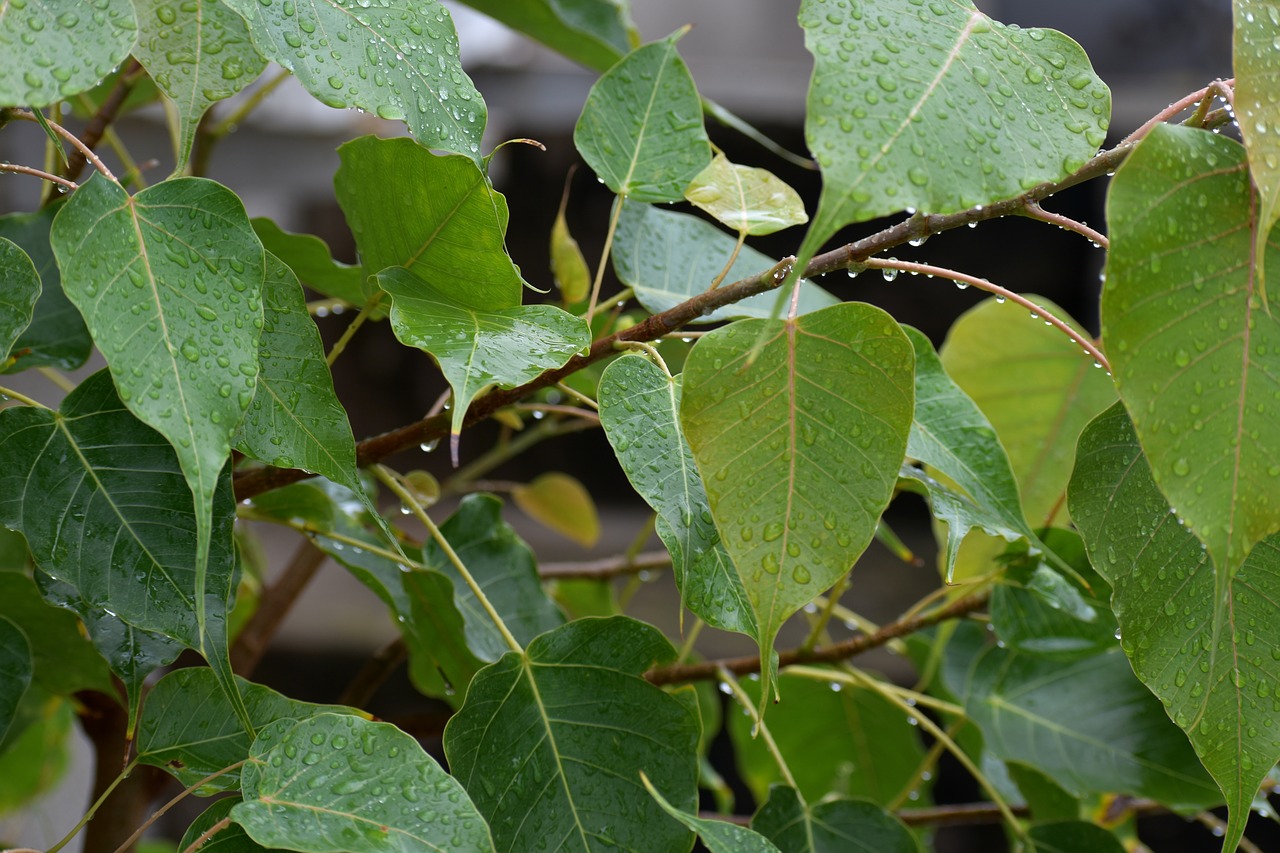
1107	509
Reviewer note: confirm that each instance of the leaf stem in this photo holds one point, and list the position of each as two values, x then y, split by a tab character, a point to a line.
733	257
93	809
1033	210
27	115
186	792
207	834
56	377
649	350
39	173
392	481
828	609
759	726
349	332
604	257
20	397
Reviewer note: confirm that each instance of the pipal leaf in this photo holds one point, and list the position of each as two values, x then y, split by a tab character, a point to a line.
188	727
667	257
198	54
641	129
394	59
295	420
1256	63
800	450
64	661
936	107
1209	665
640	413
229	839
436	216
311	261
56	336
1072	836
19	290
754	201
476	347
560	503
595	33
335	783
832	826
16	669
1194	353
582	725
52	49
717	835
169	282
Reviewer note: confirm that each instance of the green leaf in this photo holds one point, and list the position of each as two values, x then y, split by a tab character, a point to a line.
295	420
1257	71
936	107
341	784
640	413
19	290
641	128
437	216
850	743
169	284
561	503
595	33
751	201
57	336
198	54
581	725
56	48
569	267
1072	836
442	658
1043	796
229	839
1193	351
16	669
799	451
479	348
1088	724
402	65
667	257
833	826
188	727
717	835
34	761
64	661
309	258
1203	662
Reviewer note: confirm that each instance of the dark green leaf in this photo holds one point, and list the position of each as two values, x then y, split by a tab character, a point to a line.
403	65
19	290
581	725
16	669
717	835
1072	836
1043	796
198	54
230	839
1193	351
441	659
641	129
833	826
64	660
335	783
310	259
595	33
56	48
188	727
667	257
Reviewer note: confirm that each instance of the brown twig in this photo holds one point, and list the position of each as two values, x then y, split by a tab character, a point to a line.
376	670
39	173
81	148
1034	211
104	117
273	607
609	567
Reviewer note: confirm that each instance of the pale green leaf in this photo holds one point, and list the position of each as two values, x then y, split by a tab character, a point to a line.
1214	668
640	413
936	107
19	290
335	783
800	450
595	33
746	199
198	53
52	49
641	129
394	58
667	257
1196	357
16	669
581	725
560	503
311	261
717	835
436	216
1256	63
832	826
569	267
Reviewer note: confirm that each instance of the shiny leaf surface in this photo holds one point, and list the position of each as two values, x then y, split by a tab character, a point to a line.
19	290
833	826
746	199
73	47
1256	63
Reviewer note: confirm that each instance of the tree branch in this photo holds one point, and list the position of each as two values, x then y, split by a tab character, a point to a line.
274	605
609	567
103	118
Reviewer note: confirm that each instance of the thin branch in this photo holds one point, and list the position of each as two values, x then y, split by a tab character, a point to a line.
964	814
159	813
604	257
207	834
354	326
376	670
39	173
1097	238
106	114
1222	88
273	607
27	115
609	567
560	409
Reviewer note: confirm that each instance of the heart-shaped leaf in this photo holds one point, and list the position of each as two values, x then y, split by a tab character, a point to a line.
72	46
832	826
21	289
394	59
748	200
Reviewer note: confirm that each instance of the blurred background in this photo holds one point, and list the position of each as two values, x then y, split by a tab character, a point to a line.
747	55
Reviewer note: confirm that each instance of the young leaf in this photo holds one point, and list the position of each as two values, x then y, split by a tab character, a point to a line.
56	336
478	348
640	413
309	258
198	54
595	33
335	782
560	503
1193	351
1256	63
402	65
567	263
667	257
73	47
295	420
436	216
18	295
1202	661
800	450
582	725
641	129
16	668
718	835
754	201
832	826
936	107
